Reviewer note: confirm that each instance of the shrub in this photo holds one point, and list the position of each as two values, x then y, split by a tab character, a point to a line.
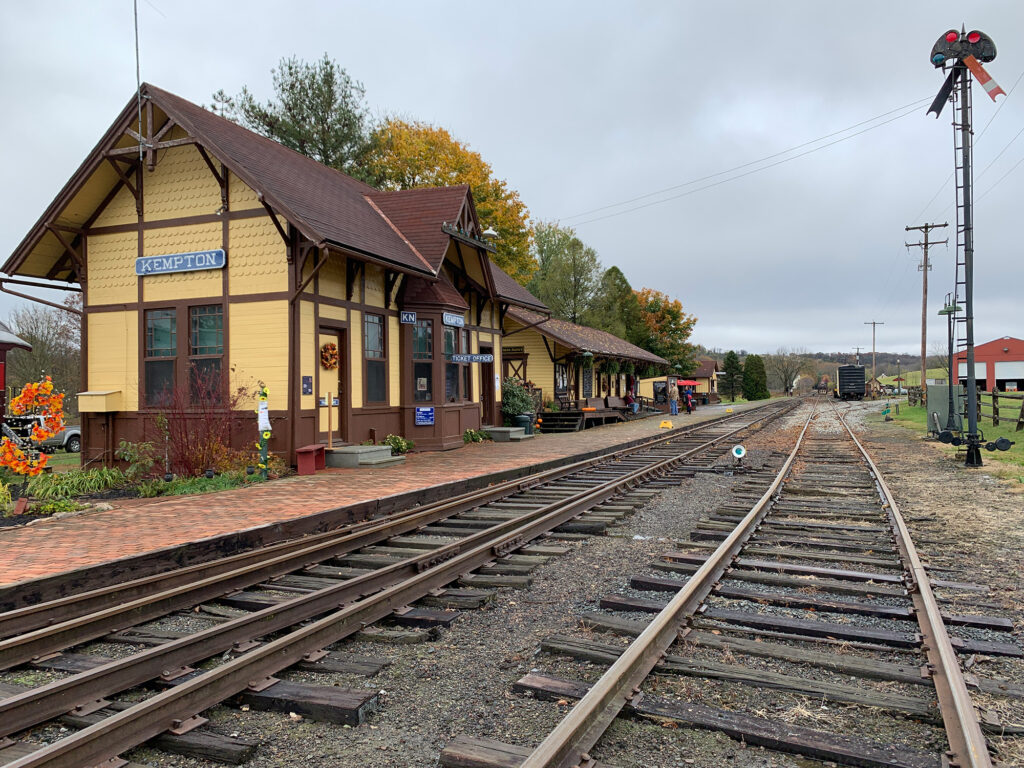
140	458
54	506
196	422
475	436
399	444
6	502
515	398
77	482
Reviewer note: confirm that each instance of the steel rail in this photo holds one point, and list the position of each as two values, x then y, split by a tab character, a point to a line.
126	596
53	637
366	599
967	745
570	741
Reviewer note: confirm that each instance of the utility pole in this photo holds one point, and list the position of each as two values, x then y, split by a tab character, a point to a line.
858	354
924	266
873	323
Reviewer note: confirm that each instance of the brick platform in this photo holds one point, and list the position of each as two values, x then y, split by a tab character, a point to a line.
138	526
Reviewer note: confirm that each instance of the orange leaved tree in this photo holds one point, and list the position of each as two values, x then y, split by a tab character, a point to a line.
36	397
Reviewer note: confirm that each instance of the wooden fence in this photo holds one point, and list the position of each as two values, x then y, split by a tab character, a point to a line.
1002	405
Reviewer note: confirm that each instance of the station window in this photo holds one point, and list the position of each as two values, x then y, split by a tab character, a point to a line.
423	361
451	370
376	362
206	350
467	392
161	352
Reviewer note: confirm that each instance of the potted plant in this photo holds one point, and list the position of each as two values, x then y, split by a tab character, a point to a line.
517	404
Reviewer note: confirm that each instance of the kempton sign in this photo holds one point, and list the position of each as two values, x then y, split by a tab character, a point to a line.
180	262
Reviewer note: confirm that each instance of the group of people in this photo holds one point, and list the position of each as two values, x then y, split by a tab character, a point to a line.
674	396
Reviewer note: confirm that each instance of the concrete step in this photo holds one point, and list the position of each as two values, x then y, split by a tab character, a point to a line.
505	434
352	456
381	461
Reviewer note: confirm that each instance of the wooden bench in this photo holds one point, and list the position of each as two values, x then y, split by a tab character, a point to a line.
310	458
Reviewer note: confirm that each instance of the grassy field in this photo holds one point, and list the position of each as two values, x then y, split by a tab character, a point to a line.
1008	464
61	461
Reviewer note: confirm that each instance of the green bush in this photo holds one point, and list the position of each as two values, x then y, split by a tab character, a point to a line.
181	486
515	399
54	506
398	444
475	436
77	482
139	456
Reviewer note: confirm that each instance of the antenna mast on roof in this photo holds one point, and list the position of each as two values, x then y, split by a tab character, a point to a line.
138	78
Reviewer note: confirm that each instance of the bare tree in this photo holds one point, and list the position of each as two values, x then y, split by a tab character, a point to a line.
56	339
784	367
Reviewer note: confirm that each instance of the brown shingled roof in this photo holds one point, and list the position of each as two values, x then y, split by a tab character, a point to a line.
419	214
325	203
584	339
512	292
417	291
706	369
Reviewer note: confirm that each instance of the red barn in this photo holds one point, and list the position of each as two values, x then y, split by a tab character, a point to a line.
998	363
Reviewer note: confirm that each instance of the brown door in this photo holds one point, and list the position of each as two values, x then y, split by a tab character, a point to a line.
332	396
486	388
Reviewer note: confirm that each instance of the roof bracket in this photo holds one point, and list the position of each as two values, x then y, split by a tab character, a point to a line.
390	278
352	268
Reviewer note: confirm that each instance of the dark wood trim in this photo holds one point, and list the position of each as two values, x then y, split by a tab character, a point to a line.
184	221
352	268
218	175
225	282
128	151
280	230
315	271
390	278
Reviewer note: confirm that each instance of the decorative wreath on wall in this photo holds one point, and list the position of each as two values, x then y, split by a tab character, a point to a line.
329	356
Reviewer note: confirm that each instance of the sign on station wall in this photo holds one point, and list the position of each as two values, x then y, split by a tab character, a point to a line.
458	357
407	318
449	318
180	262
424	417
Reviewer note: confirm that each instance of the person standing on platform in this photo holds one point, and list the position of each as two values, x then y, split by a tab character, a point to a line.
673	398
689	402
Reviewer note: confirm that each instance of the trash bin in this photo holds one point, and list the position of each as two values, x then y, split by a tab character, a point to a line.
524	420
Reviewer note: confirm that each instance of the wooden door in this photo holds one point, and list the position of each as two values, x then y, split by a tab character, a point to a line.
486	388
333	390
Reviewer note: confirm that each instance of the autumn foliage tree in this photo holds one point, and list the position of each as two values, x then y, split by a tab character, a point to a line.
405	155
36	397
664	329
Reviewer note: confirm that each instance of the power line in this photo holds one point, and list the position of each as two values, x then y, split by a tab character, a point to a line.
745	165
943	186
738	176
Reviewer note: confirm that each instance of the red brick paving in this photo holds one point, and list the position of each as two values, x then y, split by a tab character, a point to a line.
137	526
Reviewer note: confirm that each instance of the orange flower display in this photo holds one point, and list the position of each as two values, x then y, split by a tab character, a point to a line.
35	397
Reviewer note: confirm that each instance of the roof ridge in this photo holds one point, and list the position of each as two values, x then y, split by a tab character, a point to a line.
398	232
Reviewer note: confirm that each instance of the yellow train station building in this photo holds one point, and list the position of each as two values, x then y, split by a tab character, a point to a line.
210	256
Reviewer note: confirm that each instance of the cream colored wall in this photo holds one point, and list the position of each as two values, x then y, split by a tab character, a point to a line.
355	351
120	210
207	283
258	346
111	269
394	363
309	350
257	258
539	368
113	356
182	184
330	312
374	285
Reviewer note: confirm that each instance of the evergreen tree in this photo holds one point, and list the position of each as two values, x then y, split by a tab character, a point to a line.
731	381
318	110
755	379
614	308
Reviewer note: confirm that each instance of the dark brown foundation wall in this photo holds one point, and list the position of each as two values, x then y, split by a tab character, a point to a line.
100	441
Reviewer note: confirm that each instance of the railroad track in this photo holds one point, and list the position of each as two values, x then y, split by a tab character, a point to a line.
820	554
285	604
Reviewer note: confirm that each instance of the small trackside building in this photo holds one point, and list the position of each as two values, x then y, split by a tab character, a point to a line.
205	251
569	362
998	364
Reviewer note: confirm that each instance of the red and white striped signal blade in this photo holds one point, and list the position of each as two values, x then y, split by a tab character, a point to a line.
991	87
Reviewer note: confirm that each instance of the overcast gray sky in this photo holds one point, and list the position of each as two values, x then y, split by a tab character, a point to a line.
582	105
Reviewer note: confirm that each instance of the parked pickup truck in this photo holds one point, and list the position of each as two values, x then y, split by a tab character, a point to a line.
70	439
